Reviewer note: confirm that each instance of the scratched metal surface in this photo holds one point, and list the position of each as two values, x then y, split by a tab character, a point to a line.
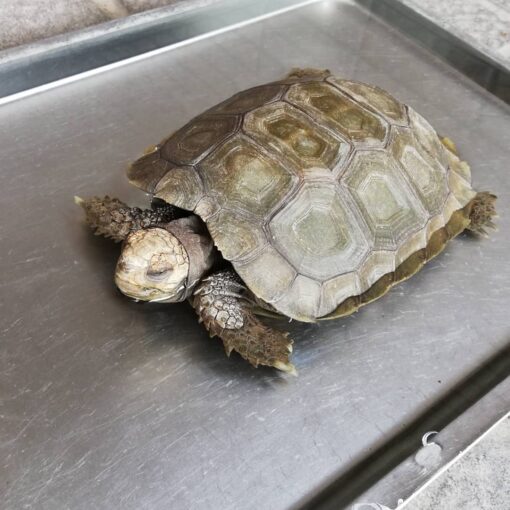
110	404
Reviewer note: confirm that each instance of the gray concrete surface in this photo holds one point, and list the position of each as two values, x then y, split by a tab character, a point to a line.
23	21
484	24
478	480
27	21
438	450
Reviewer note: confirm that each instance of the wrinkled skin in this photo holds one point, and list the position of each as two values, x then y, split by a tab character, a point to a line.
153	266
171	261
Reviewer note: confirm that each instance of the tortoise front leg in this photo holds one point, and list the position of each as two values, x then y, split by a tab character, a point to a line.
223	307
114	219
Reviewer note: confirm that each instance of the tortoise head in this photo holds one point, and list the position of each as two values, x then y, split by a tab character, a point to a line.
153	266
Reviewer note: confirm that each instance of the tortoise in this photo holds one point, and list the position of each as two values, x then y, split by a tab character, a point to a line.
307	197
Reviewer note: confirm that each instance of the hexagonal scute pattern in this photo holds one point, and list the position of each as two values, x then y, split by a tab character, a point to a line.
317	233
294	136
388	205
197	138
426	174
242	177
250	99
339	112
375	98
313	189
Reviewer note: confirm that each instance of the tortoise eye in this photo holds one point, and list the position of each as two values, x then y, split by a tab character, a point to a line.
159	266
159	272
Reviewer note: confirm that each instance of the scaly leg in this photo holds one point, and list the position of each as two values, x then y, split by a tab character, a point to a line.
112	218
482	212
223	306
483	205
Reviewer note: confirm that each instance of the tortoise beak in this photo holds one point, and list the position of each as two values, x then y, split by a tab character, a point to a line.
180	295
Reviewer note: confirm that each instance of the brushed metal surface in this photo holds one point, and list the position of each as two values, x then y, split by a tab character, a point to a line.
467	58
38	66
408	477
107	403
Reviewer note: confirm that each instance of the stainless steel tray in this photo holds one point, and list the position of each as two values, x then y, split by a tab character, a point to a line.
110	404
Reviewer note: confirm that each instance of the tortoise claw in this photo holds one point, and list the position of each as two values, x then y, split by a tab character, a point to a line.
289	368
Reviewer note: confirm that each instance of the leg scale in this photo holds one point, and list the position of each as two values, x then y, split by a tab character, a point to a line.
222	304
483	211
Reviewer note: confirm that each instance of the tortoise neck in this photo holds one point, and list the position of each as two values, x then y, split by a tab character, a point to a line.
199	247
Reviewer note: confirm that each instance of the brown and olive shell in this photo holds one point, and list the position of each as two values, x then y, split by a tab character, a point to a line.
314	187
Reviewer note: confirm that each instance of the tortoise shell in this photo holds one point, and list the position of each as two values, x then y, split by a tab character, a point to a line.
314	187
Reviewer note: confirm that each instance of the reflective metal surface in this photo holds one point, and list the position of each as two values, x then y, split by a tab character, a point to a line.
107	403
425	461
38	66
468	59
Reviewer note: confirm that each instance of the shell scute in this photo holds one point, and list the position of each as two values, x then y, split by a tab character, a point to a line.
374	98
303	297
336	110
181	187
427	175
147	171
250	99
337	290
243	177
427	137
317	232
240	238
316	188
198	138
269	275
387	203
293	135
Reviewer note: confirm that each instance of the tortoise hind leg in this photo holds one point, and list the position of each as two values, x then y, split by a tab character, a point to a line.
482	212
482	208
222	306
